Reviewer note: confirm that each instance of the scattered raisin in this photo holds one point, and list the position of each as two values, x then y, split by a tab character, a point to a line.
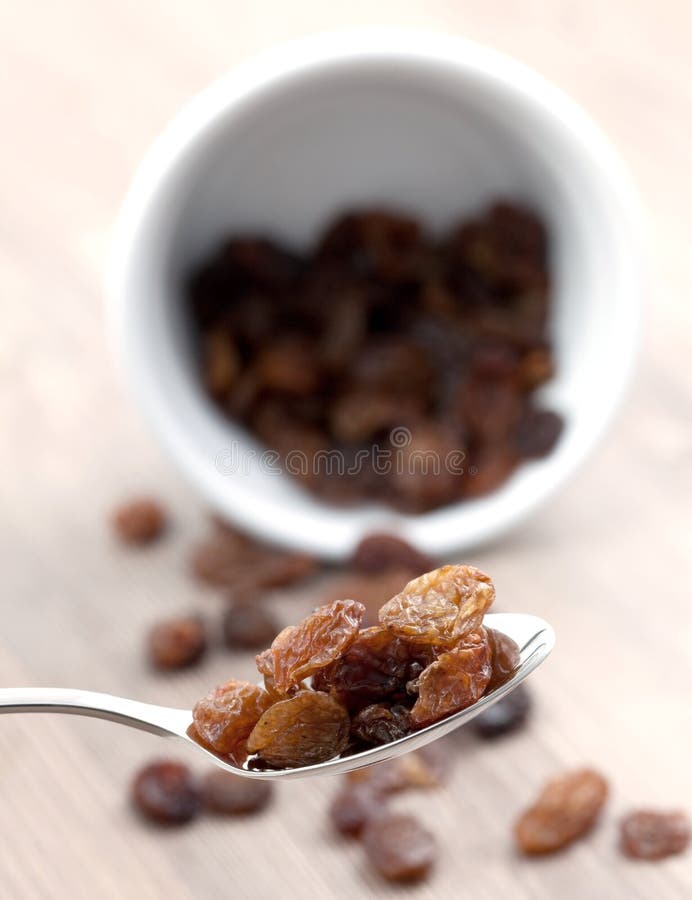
454	681
140	522
505	716
650	834
425	768
566	809
165	792
248	626
310	727
177	643
352	807
441	606
398	847
379	552
227	794
301	650
227	715
379	724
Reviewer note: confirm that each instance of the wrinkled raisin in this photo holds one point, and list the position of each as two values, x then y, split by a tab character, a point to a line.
227	715
248	626
454	681
379	724
139	522
505	716
505	657
227	794
440	606
650	834
177	643
301	650
380	552
352	807
166	792
399	847
566	809
309	728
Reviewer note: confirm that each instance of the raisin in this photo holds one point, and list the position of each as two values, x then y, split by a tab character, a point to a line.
165	792
381	552
654	834
288	366
284	569
505	716
227	715
177	643
140	521
538	433
301	650
309	728
399	848
375	667
227	794
352	807
489	469
379	724
224	558
566	809
441	606
221	363
454	681
248	626
426	474
505	656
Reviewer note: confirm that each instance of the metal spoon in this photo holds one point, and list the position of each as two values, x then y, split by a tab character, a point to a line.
534	636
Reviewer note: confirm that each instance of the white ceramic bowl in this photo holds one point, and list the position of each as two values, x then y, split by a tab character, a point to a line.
422	121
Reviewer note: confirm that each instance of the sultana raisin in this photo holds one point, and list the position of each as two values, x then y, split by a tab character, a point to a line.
380	724
380	552
308	728
224	793
177	642
226	716
505	716
166	792
654	834
248	626
455	680
301	650
441	606
140	521
566	809
505	657
398	847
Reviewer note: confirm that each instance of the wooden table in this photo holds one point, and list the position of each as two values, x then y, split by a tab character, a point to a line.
86	87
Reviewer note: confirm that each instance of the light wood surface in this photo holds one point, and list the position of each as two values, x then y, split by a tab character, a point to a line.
85	87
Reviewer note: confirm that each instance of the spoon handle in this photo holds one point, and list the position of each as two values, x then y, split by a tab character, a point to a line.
160	720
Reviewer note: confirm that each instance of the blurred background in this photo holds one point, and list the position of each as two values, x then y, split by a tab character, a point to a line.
86	89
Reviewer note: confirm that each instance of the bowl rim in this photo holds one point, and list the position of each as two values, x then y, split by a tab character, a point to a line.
306	57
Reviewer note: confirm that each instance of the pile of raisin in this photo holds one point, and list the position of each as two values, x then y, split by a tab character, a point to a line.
333	687
380	328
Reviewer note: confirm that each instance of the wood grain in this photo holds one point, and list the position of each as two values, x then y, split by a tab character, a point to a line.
86	87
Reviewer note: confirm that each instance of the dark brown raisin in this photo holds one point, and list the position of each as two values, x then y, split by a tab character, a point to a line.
177	643
538	433
399	848
224	793
248	626
566	809
381	552
140	521
654	834
507	715
166	792
310	727
379	724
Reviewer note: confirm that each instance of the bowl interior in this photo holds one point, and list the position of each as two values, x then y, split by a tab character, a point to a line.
439	138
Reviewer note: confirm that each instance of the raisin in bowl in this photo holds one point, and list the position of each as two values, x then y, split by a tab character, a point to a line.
460	140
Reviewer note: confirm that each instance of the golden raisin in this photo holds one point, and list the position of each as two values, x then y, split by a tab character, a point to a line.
226	716
441	606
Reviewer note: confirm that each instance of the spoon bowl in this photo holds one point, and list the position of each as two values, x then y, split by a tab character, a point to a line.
534	636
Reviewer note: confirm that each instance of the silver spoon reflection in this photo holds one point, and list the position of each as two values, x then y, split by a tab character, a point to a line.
534	636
